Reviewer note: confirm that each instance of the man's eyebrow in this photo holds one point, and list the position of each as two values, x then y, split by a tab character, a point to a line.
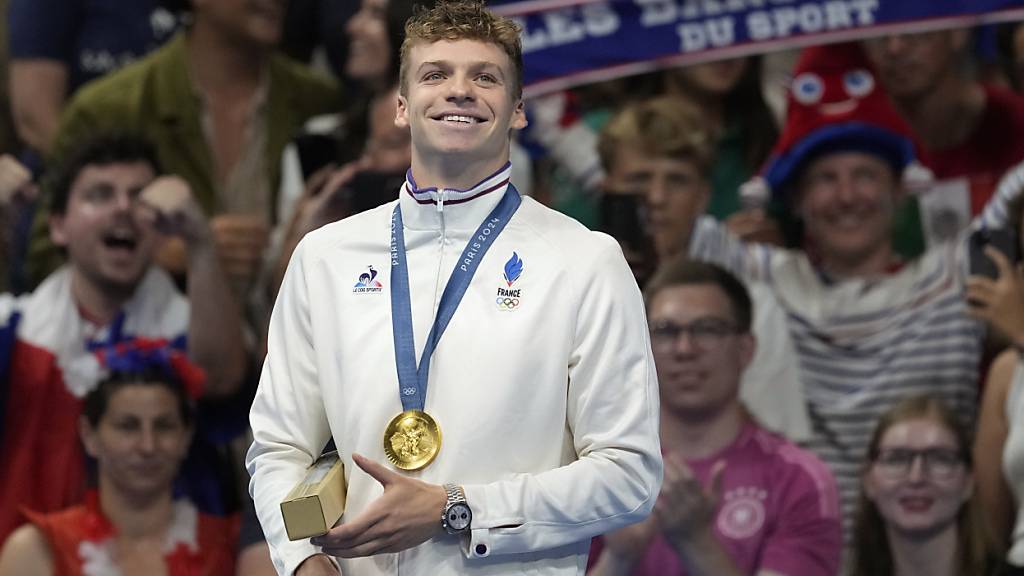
100	186
476	65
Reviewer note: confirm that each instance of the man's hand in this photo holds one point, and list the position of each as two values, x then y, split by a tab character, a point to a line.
168	204
316	565
15	182
241	241
408	514
755	226
685	508
322	204
999	302
627	545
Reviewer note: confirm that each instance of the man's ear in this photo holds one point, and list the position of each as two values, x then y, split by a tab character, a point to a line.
57	233
705	195
748	347
402	112
900	190
519	120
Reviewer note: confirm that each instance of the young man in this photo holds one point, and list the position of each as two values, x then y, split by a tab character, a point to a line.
737	499
536	428
106	205
661	151
869	328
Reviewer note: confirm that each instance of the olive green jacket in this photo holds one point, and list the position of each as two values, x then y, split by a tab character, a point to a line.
154	98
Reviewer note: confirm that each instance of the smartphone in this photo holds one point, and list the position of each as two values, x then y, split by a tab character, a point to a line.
622	216
1003	239
369	189
315	152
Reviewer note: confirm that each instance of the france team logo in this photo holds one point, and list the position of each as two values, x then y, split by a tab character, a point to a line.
513	269
507	298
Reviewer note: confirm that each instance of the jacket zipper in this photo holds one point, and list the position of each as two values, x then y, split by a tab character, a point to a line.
440	257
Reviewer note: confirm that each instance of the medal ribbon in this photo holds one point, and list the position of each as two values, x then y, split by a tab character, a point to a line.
412	381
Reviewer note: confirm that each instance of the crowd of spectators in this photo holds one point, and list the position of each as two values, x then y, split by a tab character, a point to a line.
834	287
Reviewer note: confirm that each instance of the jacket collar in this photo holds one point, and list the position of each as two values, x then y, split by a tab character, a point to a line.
430	208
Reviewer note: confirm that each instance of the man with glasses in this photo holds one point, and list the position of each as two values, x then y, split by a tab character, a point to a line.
736	499
869	327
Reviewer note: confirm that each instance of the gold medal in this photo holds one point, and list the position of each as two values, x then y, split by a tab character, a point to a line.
412	440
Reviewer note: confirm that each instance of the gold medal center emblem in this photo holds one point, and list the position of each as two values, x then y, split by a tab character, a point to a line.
412	440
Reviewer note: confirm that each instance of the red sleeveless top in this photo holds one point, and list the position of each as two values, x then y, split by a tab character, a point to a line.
81	540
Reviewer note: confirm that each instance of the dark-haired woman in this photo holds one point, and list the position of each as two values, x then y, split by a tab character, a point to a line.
137	425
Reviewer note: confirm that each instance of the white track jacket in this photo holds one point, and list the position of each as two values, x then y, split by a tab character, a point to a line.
546	393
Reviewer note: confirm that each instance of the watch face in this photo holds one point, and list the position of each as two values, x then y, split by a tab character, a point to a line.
459	517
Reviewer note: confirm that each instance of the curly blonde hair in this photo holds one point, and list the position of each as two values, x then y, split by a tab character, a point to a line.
463	20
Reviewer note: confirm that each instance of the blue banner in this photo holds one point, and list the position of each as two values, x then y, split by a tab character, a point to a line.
572	42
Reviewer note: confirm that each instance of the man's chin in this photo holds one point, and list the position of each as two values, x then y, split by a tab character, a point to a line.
121	283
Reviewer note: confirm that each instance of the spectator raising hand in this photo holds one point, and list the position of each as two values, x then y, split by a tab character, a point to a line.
172	209
999	302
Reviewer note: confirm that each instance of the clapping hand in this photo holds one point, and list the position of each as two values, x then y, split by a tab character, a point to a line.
627	545
686	508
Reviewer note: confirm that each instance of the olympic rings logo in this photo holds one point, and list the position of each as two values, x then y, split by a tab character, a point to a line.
506	303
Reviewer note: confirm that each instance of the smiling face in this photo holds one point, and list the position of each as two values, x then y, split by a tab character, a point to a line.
109	243
459	104
140	440
846	200
698	373
926	499
369	50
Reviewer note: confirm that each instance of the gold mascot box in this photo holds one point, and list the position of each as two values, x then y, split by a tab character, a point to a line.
316	503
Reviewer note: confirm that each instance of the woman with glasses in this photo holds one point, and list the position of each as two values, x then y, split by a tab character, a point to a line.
917	514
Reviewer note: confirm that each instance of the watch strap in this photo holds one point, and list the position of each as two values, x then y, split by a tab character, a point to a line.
455	496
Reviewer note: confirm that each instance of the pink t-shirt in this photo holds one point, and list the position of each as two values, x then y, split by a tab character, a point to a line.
778	511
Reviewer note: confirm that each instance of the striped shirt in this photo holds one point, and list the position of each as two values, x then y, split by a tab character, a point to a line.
865	344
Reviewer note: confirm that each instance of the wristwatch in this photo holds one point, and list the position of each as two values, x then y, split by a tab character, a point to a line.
457	516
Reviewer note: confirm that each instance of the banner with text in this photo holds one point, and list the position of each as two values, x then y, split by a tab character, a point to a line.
572	42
